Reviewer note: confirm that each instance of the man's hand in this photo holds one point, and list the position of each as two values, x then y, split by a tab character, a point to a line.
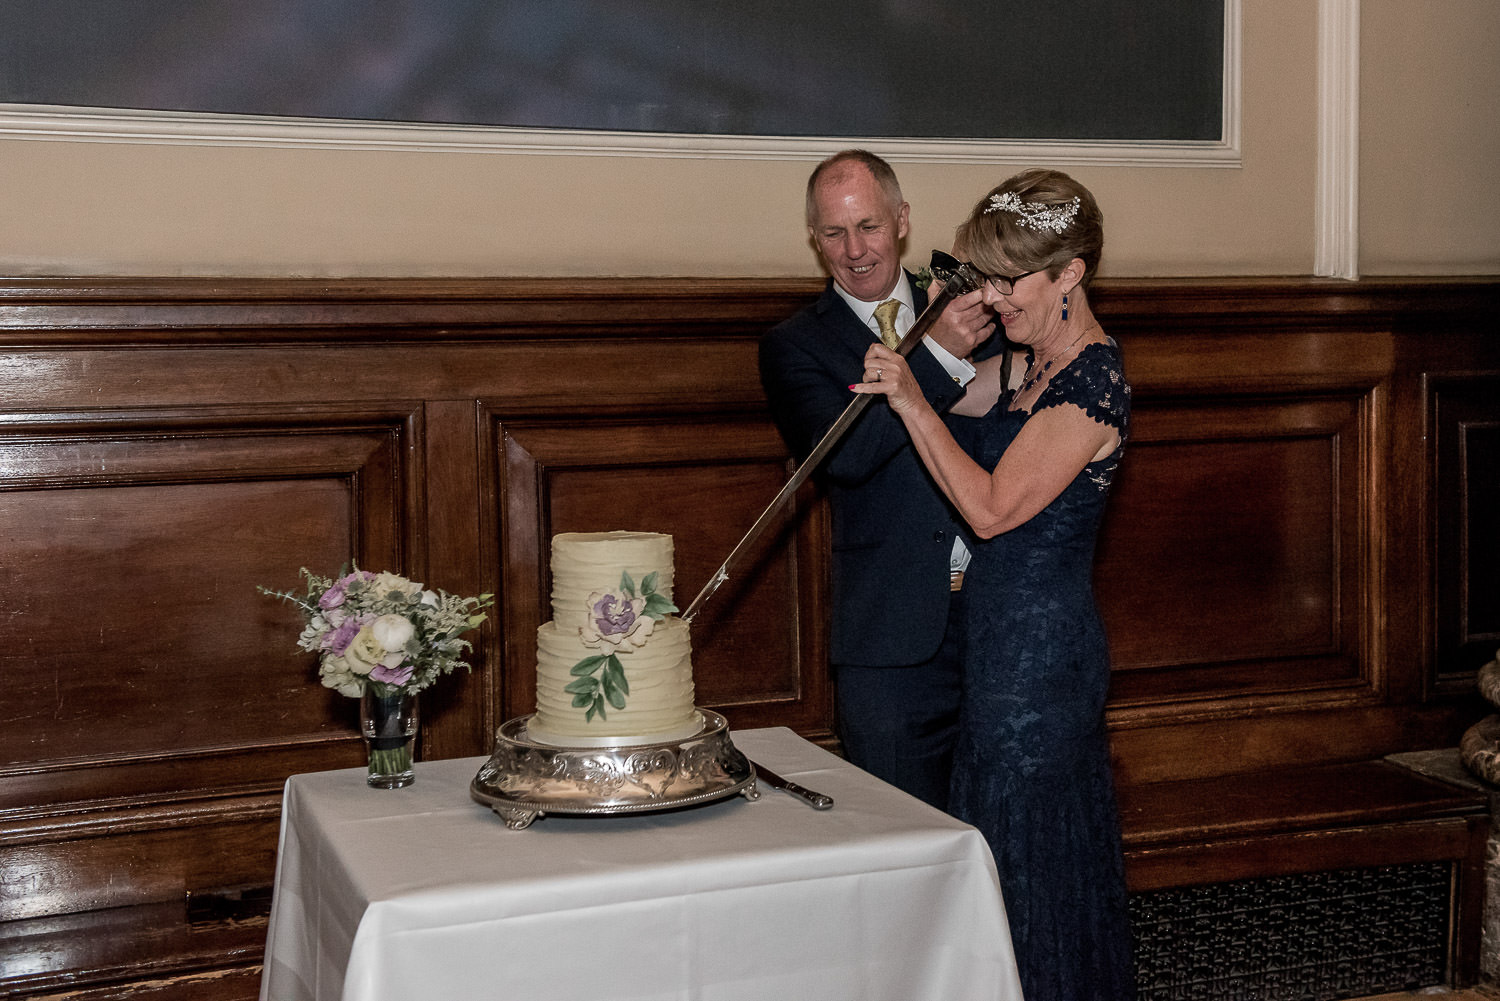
964	324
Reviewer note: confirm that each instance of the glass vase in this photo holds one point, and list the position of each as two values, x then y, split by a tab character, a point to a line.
389	726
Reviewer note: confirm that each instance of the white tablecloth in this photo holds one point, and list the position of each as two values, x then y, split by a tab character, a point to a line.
422	894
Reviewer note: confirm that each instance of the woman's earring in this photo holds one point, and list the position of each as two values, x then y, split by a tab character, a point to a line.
1065	305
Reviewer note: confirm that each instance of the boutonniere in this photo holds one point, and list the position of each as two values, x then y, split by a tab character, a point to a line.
923	279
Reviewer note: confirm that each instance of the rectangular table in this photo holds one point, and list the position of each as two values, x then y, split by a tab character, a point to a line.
422	894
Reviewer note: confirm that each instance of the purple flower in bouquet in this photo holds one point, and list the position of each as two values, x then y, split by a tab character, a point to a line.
335	595
392	676
337	641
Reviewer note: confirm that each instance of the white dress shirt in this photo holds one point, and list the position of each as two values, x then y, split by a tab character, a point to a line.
959	368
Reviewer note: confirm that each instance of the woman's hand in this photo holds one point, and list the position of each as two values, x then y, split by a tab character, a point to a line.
887	374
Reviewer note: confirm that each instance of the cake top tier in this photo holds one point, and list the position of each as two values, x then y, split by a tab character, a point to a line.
587	562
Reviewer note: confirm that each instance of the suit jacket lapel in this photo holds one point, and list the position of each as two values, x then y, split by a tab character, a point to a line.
839	318
841	322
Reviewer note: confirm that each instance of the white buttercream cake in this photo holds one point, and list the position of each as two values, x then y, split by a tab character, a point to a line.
613	665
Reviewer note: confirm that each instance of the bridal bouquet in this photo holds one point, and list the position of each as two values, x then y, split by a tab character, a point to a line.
381	632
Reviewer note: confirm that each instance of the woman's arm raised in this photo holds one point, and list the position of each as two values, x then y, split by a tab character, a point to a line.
1050	451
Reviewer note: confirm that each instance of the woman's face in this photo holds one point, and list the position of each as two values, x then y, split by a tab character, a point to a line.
1032	310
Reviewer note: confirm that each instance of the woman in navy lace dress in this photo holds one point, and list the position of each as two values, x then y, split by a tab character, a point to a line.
1032	769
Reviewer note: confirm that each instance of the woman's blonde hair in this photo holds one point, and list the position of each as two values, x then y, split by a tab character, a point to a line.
1038	220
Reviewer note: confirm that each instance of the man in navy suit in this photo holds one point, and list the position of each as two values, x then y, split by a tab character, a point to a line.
898	553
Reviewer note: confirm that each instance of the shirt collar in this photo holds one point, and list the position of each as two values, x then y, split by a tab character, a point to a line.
866	310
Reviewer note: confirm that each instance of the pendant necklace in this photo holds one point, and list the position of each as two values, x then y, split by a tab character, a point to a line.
1032	380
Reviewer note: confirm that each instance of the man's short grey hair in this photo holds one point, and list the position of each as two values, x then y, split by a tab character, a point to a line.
878	168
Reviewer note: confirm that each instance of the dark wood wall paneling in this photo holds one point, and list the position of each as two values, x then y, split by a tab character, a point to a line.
1298	565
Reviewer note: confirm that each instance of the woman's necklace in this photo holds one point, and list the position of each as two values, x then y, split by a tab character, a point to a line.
1030	379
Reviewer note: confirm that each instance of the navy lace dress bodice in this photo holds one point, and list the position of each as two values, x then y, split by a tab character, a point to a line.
1032	767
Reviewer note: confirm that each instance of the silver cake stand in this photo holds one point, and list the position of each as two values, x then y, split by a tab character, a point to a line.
526	778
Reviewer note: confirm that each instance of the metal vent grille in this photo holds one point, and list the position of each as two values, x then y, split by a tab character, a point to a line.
1312	937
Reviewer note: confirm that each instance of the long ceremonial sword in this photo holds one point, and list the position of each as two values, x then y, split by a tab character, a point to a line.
960	278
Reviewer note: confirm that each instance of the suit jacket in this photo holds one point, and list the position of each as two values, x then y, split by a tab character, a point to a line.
893	530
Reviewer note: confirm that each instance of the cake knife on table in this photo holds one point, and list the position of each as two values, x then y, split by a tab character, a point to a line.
816	800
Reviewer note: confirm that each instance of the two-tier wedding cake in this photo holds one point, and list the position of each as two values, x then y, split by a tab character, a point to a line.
614	666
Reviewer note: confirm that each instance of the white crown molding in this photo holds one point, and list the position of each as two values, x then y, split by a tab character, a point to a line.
1233	76
114	125
1336	243
118	125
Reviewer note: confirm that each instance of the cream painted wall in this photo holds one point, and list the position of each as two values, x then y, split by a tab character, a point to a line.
94	208
1430	137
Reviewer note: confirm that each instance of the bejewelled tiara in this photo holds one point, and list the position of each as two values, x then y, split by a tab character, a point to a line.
1034	215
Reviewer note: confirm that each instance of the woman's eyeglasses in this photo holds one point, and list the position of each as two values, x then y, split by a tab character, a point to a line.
944	266
1006	284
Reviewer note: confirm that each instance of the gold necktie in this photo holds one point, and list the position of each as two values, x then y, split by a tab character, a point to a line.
885	315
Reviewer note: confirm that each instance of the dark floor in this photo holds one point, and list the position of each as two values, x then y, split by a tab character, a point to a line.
1440	994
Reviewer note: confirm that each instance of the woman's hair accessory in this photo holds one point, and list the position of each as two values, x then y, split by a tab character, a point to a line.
1034	215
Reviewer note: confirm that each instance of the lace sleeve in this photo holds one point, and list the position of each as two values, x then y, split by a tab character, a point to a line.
1095	383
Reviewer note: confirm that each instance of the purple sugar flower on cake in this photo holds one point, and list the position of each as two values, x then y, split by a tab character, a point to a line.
615	621
613	615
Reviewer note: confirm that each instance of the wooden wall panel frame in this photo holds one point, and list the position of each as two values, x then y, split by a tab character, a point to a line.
1247	592
117	757
1464	445
356	461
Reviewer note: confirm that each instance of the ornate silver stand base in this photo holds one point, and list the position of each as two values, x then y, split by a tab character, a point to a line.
525	779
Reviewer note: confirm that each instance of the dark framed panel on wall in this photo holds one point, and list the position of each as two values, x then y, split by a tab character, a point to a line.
656	75
1463	421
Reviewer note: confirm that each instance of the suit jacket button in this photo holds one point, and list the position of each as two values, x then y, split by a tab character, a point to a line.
937	536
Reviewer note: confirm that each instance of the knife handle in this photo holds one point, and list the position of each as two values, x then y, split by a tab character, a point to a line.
816	800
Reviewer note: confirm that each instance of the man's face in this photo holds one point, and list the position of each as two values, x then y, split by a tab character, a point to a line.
858	233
